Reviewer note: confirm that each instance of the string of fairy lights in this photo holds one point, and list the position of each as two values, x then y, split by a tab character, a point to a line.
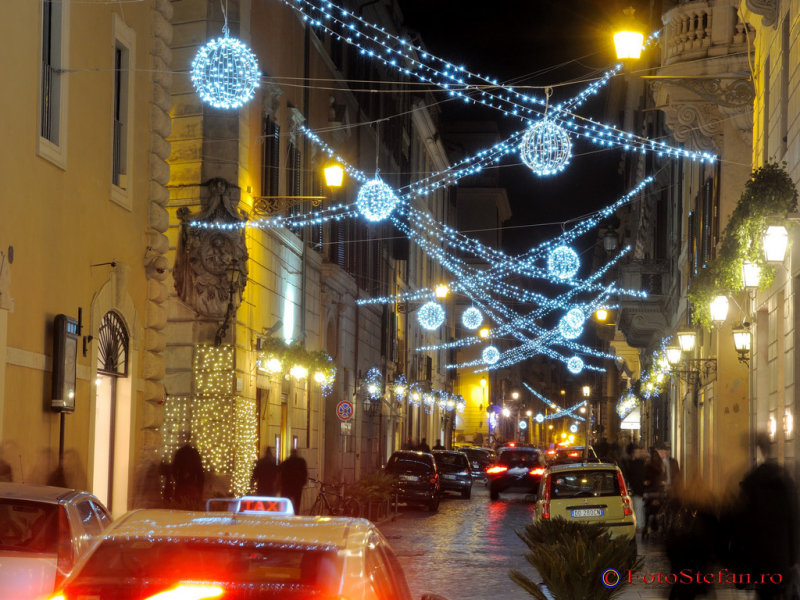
225	75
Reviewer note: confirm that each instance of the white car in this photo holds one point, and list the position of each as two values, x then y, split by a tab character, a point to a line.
44	531
168	554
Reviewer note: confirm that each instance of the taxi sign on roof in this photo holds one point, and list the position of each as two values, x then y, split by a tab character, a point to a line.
253	505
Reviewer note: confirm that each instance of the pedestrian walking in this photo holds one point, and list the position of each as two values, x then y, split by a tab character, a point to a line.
187	472
294	475
654	496
438	445
635	476
672	471
423	446
765	536
265	474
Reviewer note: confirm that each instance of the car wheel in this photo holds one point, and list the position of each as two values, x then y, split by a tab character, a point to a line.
467	493
494	494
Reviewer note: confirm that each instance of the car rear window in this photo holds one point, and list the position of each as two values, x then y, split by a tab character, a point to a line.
519	458
409	464
213	560
451	460
27	526
584	484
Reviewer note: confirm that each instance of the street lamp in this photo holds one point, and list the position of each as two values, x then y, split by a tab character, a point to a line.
334	175
775	241
751	275
686	339
441	290
741	341
719	310
629	40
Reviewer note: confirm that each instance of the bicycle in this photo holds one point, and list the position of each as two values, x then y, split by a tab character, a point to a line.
331	501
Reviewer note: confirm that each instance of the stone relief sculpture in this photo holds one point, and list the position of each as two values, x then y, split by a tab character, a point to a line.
207	258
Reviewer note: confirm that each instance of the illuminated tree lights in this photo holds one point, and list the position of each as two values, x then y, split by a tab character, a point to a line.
471	318
545	148
430	316
571	325
225	72
376	200
575	365
490	355
563	262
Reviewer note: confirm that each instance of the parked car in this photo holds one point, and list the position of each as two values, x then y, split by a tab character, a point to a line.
44	531
181	554
479	459
517	469
455	472
587	492
559	455
416	478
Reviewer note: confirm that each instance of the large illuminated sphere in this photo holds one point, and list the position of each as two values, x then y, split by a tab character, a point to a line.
471	318
376	200
545	148
563	263
490	355
575	365
539	418
225	73
430	316
573	428
571	325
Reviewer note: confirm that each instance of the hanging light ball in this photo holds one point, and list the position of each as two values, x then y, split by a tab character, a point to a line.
376	200
225	73
490	355
571	325
539	417
471	318
575	365
563	262
545	148
430	316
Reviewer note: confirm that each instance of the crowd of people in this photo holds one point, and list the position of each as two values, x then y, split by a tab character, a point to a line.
753	536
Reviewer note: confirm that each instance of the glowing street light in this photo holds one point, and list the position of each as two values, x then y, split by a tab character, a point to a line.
441	290
629	41
334	175
775	241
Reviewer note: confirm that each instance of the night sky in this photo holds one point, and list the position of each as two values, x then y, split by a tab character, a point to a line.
535	43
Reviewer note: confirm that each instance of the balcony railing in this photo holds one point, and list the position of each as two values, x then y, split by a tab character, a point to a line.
702	29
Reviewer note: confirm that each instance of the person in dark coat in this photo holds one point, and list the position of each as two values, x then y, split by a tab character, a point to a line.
653	490
294	475
265	474
187	472
438	445
634	475
423	446
766	524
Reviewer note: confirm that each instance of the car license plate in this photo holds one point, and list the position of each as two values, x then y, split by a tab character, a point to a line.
409	478
587	512
446	476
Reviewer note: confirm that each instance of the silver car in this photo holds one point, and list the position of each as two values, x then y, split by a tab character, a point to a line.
44	530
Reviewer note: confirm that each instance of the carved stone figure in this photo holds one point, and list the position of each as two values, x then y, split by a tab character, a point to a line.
208	258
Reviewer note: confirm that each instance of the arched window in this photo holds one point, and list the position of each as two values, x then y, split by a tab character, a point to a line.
112	346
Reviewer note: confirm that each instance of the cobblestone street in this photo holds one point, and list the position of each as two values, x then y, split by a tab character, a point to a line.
465	551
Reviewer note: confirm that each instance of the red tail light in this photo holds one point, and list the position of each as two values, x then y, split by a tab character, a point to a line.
546	498
434	478
574	454
536	471
495	469
627	510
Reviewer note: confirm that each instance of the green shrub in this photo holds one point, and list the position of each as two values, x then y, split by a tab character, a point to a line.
376	487
571	558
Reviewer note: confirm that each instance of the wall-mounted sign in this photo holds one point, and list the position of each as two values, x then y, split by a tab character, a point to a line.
344	410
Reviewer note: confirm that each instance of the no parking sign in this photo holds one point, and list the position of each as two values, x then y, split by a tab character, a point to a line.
344	410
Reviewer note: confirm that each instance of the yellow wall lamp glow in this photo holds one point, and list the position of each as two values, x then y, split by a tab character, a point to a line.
629	40
334	175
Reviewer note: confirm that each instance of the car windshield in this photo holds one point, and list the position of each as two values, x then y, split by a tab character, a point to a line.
408	463
451	460
519	458
584	484
27	526
250	563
